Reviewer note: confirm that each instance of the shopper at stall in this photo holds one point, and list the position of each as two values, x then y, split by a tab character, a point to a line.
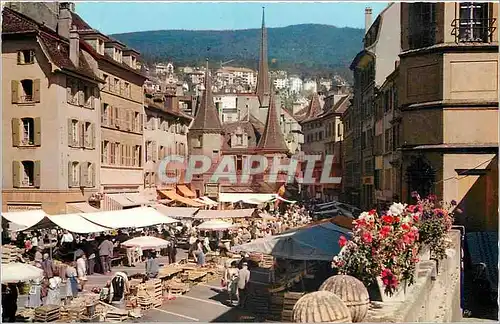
152	266
119	287
72	283
67	240
81	269
199	254
9	302
243	279
54	291
38	257
35	294
105	253
47	266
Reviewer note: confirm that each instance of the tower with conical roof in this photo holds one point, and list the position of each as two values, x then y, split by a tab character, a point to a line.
263	88
205	136
272	140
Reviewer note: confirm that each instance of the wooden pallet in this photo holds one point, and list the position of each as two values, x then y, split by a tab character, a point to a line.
116	315
48	313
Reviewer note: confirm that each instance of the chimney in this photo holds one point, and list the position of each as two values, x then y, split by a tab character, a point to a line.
368	18
74	46
64	19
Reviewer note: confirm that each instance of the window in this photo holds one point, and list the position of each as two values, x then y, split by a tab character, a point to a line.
104	152
421	29
388	140
73	134
116	85
474	25
26	57
117	153
239	139
363	140
239	163
88	135
73	174
105	110
123	154
137	156
112	153
28	135
27	88
149	151
28	175
107	84
127	90
87	96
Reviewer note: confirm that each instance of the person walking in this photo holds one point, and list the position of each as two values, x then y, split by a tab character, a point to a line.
152	266
35	294
172	251
54	292
231	280
105	253
243	279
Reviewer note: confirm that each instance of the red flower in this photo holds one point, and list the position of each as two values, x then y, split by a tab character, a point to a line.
416	218
372	212
405	226
342	241
384	231
388	278
396	219
387	219
367	237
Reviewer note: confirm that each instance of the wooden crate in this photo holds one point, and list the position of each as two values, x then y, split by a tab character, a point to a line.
48	313
116	315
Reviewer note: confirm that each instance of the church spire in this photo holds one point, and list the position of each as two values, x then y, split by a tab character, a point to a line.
207	117
262	89
272	140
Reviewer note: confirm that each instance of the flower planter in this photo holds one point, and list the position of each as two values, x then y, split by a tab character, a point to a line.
376	291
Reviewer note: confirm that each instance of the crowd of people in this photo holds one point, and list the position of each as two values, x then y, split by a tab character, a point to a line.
79	256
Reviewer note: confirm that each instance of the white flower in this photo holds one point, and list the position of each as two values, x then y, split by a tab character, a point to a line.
396	209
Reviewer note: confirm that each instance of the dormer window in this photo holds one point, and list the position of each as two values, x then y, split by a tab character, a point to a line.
100	46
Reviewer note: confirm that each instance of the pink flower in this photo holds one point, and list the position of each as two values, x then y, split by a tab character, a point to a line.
384	231
342	241
372	212
416	218
367	237
405	226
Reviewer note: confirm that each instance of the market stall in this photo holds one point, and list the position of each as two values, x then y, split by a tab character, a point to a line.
225	214
20	272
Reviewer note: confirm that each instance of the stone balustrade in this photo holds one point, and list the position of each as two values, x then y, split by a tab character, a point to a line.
435	295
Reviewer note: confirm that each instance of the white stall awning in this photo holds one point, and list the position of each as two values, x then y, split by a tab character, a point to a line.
250	198
26	218
176	212
224	214
76	223
133	217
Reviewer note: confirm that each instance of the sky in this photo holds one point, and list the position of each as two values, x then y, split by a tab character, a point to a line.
123	17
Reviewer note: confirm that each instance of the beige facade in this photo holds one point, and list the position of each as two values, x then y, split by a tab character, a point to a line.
448	94
50	117
165	134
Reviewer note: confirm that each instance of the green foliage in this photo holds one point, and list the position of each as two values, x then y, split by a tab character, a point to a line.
307	50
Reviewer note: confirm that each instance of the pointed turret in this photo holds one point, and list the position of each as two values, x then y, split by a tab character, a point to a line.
262	89
207	117
314	107
272	139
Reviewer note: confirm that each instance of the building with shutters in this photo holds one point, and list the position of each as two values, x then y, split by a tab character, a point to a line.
121	117
50	114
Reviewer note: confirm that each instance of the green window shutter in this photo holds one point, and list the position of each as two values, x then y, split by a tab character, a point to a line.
16	174
36	90
16	131
37	174
14	84
38	131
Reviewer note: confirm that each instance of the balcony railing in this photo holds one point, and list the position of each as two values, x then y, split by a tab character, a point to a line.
473	30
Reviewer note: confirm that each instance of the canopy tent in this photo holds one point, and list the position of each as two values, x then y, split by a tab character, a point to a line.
267	216
215	225
16	272
134	217
285	200
249	198
186	192
172	195
25	219
176	212
224	214
72	222
207	201
146	243
318	242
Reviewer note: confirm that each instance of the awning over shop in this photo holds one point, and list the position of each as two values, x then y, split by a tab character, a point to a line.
186	192
224	214
81	207
176	212
215	225
209	201
134	217
172	195
26	218
318	242
129	199
250	198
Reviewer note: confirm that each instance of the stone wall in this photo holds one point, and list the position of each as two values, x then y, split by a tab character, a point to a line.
435	295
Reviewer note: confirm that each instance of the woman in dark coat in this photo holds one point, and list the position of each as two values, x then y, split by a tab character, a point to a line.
9	303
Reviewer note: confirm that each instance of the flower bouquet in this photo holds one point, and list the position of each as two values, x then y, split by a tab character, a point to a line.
382	246
434	221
